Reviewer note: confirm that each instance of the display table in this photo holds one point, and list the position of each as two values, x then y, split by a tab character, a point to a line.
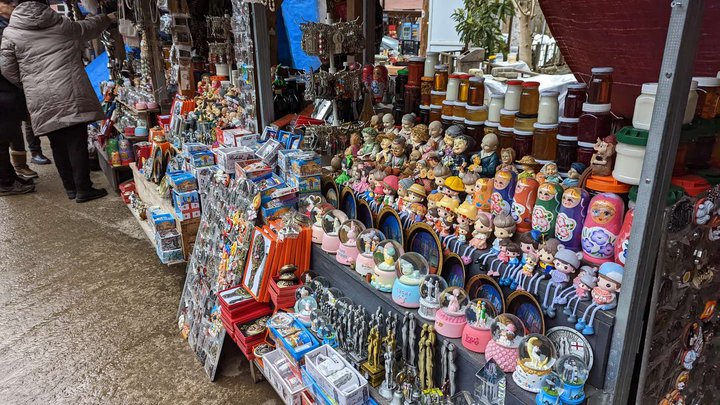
114	174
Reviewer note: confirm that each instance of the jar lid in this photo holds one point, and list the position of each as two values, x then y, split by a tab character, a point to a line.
435	107
497	95
426	79
549	93
478	123
447	117
596	108
602	70
460	119
448	102
692	184
506	129
508	112
569	120
514	82
520	132
459	103
566	138
545	126
464	76
454	76
531	84
438	93
586	145
441	67
476	107
632	136
649	88
477	79
425	107
675	193
577	86
707	81
607	184
403	72
492	124
417	59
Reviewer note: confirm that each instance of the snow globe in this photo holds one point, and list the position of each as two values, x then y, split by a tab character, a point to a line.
476	334
326	333
305	305
430	289
507	332
317	214
450	319
385	256
536	357
573	372
410	269
332	222
347	252
367	242
550	390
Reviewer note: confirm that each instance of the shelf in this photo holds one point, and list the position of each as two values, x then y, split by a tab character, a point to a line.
114	174
137	112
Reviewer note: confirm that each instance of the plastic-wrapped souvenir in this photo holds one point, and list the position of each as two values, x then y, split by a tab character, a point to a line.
430	289
450	319
332	222
385	256
503	192
523	203
367	242
537	355
604	296
411	268
348	252
601	228
573	372
565	264
476	334
544	215
507	333
571	217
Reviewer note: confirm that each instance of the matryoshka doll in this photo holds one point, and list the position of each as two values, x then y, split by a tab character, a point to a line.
503	192
524	202
545	212
601	228
483	192
571	217
623	240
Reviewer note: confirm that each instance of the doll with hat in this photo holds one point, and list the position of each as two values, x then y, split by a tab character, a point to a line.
453	187
582	287
565	264
414	205
446	213
466	215
389	189
604	295
402	193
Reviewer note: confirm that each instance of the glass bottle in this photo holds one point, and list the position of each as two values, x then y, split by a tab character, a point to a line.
601	82
576	96
476	91
440	78
530	98
464	87
497	102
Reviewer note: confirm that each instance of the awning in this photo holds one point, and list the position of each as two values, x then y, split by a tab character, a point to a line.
403	5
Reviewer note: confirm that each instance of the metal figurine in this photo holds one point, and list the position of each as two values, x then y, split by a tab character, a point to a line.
388	386
429	357
412	336
405	325
452	368
421	362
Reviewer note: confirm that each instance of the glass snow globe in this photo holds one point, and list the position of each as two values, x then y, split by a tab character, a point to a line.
431	287
326	332
317	214
410	270
318	284
573	372
507	332
479	315
385	256
348	252
367	242
551	387
332	222
450	319
305	304
536	357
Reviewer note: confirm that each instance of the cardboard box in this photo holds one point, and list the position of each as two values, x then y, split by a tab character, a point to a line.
168	240
227	157
228	137
187	204
278	372
305	164
252	170
161	220
284	156
182	181
357	396
202	159
305	184
189	148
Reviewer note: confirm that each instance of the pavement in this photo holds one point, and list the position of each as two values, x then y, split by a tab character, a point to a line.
87	311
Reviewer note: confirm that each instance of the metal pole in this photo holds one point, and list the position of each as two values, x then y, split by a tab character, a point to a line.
369	9
262	66
673	87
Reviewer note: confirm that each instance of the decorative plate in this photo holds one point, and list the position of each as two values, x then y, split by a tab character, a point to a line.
454	271
364	213
330	191
569	341
348	203
389	224
484	286
524	305
421	238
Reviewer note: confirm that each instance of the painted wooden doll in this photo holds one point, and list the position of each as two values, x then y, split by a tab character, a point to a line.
571	217
601	228
503	191
524	202
483	192
544	214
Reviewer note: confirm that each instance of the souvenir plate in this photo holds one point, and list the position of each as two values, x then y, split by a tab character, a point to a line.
454	271
570	341
330	191
524	305
484	286
389	224
423	239
348	203
364	213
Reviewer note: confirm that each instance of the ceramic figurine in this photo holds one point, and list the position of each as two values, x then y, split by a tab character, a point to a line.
482	230
374	192
507	159
376	122
377	86
604	296
544	215
511	259
461	146
573	179
528	245
504	226
565	264
528	165
370	147
466	216
489	158
441	173
469	180
601	228
389	189
385	154
583	285
537	356
528	269
483	193
435	132
385	257
549	173
546	254
355	143
419	137
446	146
523	203
452	188
602	161
571	217
389	124
446	214
402	193
415	203
503	192
507	333
406	126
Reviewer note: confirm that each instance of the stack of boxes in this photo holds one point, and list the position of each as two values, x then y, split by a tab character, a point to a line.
185	196
237	307
168	242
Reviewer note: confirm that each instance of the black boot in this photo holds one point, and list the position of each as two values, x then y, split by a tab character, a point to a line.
93	194
40	159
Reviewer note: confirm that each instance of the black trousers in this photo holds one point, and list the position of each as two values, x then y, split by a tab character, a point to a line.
11	131
17	144
70	153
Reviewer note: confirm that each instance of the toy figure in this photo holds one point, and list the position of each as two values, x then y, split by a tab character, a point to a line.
511	258
481	233
601	227
403	185
406	126
418	137
389	189
378	86
376	122
414	202
361	185
397	162
458	157
504	229
546	254
423	174
441	173
573	179
565	264
507	159
433	199
385	154
503	192
583	285
571	217
389	124
489	158
452	188
466	215
462	231
446	213
602	161
447	144
370	147
676	397
523	203
528	165
528	269
544	215
435	131
604	295
469	180
483	192
549	172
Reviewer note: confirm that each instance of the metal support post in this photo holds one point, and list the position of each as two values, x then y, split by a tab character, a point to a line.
263	88
673	87
369	10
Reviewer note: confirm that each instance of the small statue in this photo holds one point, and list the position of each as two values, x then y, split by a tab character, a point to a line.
385	153
528	269
488	155
418	137
604	296
389	124
482	230
415	202
549	173
573	179
378	85
446	214
406	126
441	173
504	229
376	122
583	284
546	254
355	142
452	188
601	162
458	158
435	131
446	146
566	263
507	159
397	162
501	199
402	193
370	147
390	188
528	165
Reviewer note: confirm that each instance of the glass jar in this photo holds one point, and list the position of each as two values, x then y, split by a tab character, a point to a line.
440	78
601	82
506	135
446	121
524	122
431	59
522	143
447	108
459	110
568	126
530	98
453	87
416	67
497	101
576	96
412	98
549	107
545	142
507	118
400	82
644	104
513	94
584	154
692	103
477	113
426	84
566	155
459	121
595	122
437	97
607	184
464	87
708	97
425	114
435	112
492	128
476	91
475	130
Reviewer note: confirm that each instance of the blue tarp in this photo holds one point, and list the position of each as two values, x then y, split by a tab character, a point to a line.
97	71
292	13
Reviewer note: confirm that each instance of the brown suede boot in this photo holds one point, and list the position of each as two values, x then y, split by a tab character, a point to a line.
19	161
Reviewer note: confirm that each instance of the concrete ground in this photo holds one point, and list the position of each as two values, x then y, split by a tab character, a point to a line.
87	312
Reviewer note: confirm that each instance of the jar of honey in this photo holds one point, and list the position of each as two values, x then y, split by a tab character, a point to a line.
416	67
525	122
507	118
492	127
545	141
476	91
412	98
426	84
595	122
453	87
425	114
506	135
568	126
497	101
459	110
476	131
530	98
513	94
459	121
477	113
601	82
708	92
566	154
574	100
464	87
437	97
522	142
440	78
447	108
549	107
435	112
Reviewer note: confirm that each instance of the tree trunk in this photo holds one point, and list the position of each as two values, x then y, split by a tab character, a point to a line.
525	49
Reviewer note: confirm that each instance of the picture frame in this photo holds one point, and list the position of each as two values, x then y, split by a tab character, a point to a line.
454	271
365	214
484	286
422	238
389	223
348	203
526	307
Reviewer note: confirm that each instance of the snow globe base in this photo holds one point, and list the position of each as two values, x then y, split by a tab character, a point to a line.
304	319
428	311
364	265
572	394
529	379
383	280
543	398
449	325
475	339
330	243
346	254
505	357
407	296
317	234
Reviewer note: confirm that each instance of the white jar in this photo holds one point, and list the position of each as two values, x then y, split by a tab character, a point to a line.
453	87
644	105
497	102
628	163
512	95
431	59
549	107
692	103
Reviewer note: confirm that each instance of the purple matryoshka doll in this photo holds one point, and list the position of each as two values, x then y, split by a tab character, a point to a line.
544	214
503	192
601	228
523	203
571	217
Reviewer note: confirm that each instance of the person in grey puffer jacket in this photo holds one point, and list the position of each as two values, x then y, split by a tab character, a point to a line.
41	52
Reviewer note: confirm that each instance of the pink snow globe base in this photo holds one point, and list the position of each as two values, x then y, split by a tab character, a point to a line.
505	357
449	325
475	339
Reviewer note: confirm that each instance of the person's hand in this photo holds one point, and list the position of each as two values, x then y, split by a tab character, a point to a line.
112	17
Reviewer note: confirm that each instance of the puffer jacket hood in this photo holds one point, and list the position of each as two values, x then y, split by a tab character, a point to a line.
33	15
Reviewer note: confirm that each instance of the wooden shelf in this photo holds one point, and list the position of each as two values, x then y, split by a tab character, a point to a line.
137	112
